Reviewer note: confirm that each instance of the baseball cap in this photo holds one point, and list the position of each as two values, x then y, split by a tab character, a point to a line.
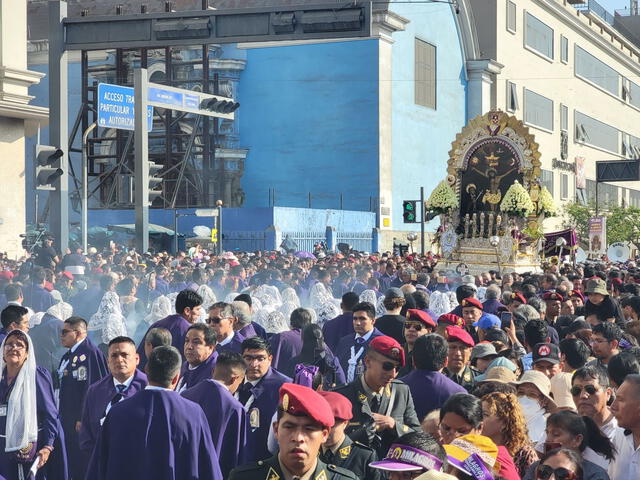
547	352
402	458
487	321
393	292
472	452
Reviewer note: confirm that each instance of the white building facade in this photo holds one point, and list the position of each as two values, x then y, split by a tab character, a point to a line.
575	82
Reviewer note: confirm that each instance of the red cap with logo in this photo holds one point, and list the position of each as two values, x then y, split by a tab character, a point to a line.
518	297
340	405
472	302
388	347
420	316
457	334
451	319
305	402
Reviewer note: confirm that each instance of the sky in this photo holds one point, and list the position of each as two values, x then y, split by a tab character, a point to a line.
612	5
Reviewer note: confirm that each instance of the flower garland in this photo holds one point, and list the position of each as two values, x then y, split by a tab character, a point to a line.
517	201
442	199
546	204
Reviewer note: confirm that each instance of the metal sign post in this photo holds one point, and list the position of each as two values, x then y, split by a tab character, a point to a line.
141	163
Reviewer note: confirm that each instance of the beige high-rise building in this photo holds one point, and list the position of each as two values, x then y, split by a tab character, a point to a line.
17	119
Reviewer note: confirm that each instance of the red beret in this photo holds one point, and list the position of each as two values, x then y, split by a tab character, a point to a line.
472	302
305	402
576	293
552	296
451	319
420	316
519	298
457	334
388	347
340	405
68	275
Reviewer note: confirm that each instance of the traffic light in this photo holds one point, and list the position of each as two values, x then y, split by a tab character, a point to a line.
409	211
219	105
155	182
47	173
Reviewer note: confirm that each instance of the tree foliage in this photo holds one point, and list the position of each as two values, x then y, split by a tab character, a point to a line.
623	223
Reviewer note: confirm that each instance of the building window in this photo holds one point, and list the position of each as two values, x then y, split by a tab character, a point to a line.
564	49
564	186
512	97
538	36
597	72
634	94
425	74
596	133
634	198
511	16
538	110
564	118
634	146
546	180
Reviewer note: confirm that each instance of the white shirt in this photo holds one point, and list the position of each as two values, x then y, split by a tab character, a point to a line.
251	398
366	336
64	364
155	387
626	465
126	383
228	339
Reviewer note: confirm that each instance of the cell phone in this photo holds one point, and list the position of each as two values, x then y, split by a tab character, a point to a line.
505	319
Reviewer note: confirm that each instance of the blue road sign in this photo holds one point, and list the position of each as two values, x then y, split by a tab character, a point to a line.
116	107
166	97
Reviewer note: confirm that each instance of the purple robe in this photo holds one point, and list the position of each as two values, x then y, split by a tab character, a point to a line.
37	298
98	397
430	390
154	435
343	350
337	328
86	366
227	419
284	346
253	330
491	306
235	345
49	432
177	325
204	371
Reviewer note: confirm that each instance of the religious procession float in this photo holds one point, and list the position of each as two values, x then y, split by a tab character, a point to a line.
491	204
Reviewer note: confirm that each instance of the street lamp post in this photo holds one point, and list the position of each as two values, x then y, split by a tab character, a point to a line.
494	241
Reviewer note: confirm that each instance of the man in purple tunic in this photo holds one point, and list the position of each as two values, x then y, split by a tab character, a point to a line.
429	387
259	394
222	321
244	325
189	308
287	345
156	434
342	325
200	350
35	295
226	415
124	381
82	365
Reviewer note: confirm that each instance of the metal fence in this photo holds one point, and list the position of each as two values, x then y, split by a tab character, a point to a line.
360	241
244	241
305	240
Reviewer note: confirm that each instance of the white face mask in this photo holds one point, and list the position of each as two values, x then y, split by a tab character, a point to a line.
535	415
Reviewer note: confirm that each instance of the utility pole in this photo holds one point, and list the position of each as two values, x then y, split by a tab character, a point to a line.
141	163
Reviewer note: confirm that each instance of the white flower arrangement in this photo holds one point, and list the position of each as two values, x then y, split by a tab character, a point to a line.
442	199
546	204
517	201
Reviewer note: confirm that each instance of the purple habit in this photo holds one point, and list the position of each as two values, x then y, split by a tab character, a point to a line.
155	435
178	327
284	346
99	395
227	421
49	432
190	378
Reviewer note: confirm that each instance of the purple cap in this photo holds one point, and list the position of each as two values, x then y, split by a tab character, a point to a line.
402	458
472	466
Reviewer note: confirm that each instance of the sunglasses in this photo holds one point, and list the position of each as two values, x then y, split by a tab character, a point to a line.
416	326
388	366
590	389
214	320
545	471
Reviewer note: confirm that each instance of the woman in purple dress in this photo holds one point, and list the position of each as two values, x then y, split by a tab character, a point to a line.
29	425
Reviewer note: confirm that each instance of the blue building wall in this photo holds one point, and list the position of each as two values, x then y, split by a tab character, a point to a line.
310	121
422	136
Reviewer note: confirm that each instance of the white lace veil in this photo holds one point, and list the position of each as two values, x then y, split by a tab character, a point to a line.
61	311
22	417
369	296
109	315
161	307
290	295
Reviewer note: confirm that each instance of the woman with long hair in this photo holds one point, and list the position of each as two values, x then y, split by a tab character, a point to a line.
505	424
30	432
567	429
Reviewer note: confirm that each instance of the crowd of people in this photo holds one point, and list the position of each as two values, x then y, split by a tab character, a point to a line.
282	365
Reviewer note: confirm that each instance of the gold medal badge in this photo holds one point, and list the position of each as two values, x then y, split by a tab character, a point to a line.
272	474
345	452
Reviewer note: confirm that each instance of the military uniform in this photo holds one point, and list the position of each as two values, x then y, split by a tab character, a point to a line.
394	401
466	378
270	470
355	457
